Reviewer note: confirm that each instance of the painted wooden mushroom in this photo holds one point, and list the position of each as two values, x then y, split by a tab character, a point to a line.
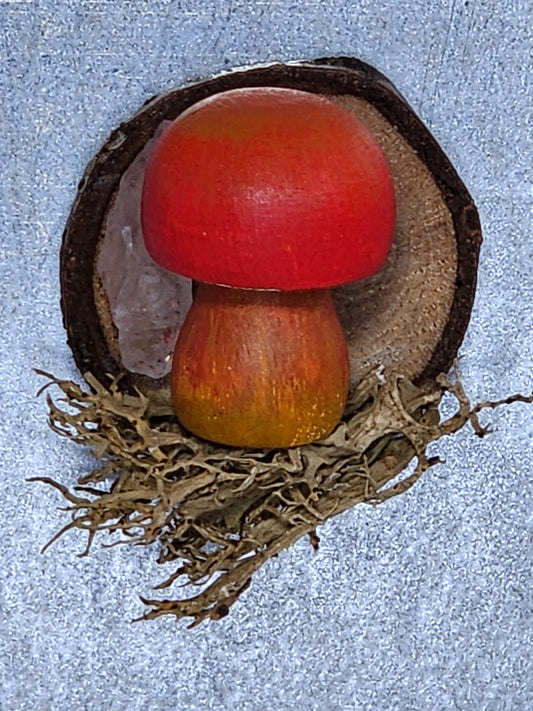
267	197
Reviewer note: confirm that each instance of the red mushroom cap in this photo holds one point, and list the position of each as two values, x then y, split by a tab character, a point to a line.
268	188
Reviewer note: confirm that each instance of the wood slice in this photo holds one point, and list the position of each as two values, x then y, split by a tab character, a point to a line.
410	317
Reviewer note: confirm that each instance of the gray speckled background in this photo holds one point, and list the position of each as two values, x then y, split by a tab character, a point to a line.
422	604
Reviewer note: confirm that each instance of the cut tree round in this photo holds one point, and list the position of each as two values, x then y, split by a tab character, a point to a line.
409	318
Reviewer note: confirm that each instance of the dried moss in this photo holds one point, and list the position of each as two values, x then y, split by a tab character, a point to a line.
219	513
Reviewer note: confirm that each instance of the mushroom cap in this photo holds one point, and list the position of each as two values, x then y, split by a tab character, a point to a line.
268	188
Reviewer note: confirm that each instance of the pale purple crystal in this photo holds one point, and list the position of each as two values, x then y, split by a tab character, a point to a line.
148	304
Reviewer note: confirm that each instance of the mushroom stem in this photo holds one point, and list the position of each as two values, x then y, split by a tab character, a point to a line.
258	368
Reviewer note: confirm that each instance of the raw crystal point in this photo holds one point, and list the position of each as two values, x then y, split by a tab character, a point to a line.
148	304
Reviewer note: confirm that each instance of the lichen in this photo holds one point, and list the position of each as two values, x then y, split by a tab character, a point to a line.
218	513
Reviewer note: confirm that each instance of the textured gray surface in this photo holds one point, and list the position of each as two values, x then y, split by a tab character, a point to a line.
423	603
